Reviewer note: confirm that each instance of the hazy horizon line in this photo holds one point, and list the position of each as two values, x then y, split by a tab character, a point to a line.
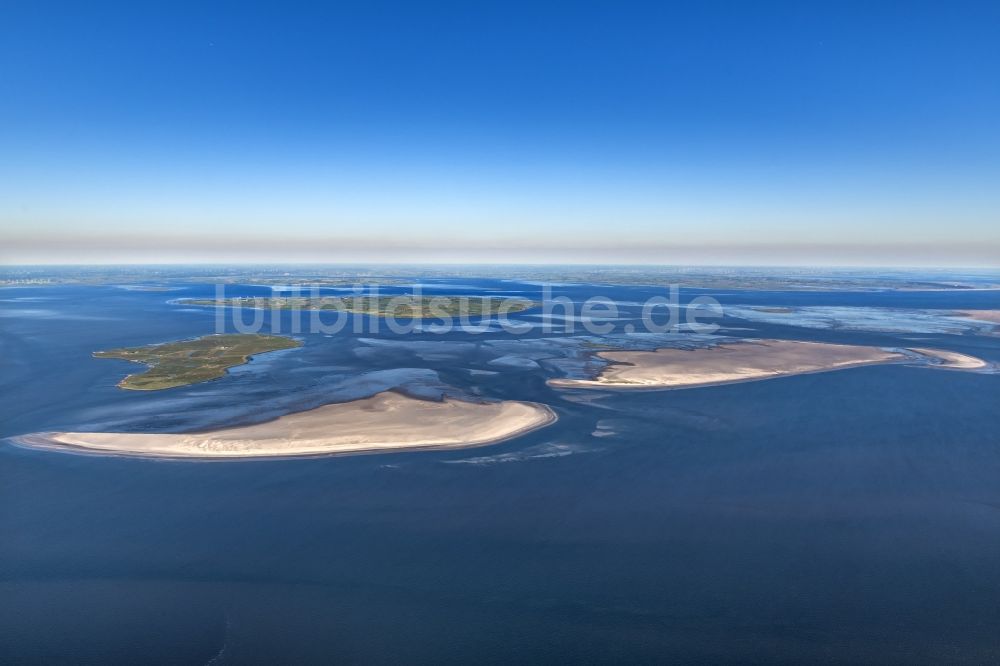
458	264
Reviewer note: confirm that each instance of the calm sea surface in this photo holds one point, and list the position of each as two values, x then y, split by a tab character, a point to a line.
850	516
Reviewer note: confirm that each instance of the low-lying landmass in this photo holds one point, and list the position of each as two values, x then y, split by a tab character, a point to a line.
145	287
742	361
760	278
387	421
300	275
346	275
873	319
184	362
403	306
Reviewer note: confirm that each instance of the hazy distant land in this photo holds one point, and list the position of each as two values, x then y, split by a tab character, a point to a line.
347	275
874	319
403	306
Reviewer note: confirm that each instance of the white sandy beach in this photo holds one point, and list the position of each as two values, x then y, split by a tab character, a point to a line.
387	421
725	363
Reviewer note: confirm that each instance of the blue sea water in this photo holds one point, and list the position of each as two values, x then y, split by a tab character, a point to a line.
849	516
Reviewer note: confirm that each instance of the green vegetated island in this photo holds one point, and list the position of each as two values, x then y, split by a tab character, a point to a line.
403	306
186	362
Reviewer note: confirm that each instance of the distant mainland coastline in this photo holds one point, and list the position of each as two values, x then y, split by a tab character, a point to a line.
404	306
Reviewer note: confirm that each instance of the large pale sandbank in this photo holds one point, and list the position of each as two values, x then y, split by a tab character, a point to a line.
387	421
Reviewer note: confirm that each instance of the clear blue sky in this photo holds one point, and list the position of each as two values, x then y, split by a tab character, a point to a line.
711	132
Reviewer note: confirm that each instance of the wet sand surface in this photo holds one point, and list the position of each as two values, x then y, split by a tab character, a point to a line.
982	315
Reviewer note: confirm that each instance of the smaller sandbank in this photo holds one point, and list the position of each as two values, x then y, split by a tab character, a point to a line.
743	361
950	359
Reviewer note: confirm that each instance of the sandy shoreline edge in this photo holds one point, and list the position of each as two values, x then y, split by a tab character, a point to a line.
386	422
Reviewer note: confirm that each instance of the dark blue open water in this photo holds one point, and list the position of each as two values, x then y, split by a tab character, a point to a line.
850	516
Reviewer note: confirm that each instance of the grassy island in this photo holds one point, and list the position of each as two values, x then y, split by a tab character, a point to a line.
186	362
402	306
